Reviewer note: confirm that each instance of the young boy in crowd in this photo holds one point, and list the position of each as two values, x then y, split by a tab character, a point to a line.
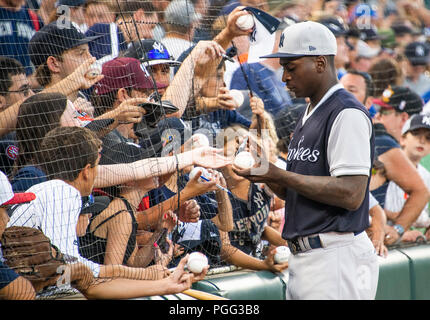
415	142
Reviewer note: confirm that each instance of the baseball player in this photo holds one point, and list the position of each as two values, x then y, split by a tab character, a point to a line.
326	184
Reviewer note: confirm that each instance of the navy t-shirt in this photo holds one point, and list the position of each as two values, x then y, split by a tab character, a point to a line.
304	216
249	218
109	43
27	177
16	30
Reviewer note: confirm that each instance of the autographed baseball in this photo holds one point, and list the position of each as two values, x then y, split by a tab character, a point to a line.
237	97
282	254
245	22
200	140
205	173
244	160
196	262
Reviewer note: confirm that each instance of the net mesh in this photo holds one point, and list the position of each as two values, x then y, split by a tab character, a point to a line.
140	161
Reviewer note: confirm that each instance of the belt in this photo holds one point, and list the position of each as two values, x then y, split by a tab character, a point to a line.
303	244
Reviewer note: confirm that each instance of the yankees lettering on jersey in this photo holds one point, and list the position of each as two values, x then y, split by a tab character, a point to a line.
303	154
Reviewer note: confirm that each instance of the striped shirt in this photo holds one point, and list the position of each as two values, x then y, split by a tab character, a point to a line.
55	211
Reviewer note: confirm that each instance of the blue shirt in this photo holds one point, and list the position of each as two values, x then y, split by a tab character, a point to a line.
265	83
110	43
220	119
16	30
27	177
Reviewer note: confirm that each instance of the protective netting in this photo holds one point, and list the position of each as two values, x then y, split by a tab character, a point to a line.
148	81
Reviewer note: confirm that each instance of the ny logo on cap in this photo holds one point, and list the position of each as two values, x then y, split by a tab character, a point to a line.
158	46
419	51
426	120
402	105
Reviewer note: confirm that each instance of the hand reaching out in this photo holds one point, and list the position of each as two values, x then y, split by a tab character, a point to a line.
189	211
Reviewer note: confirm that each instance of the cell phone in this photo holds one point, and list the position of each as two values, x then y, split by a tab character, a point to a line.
155	111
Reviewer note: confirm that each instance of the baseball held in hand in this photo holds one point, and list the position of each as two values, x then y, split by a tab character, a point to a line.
282	254
196	262
200	140
237	96
244	160
204	172
245	22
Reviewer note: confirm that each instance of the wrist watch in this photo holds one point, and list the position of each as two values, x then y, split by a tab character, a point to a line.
400	230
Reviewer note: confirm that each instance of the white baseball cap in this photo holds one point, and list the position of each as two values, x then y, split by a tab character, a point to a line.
8	197
307	38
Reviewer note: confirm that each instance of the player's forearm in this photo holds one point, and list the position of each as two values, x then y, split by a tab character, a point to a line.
345	192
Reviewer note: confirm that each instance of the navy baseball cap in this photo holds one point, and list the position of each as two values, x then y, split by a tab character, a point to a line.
401	29
307	38
53	40
418	53
152	142
367	34
94	204
170	133
335	25
417	121
401	99
151	52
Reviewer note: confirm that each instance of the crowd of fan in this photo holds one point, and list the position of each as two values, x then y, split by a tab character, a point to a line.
109	154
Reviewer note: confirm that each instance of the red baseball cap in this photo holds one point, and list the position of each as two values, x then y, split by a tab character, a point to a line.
124	72
8	197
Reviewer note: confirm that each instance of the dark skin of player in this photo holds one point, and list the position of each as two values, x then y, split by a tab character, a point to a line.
311	77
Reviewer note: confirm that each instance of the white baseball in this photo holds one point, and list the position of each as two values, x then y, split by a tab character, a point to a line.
94	70
244	160
196	262
200	140
237	97
205	173
282	254
245	22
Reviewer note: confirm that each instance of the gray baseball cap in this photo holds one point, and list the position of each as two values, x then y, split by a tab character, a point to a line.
181	12
307	38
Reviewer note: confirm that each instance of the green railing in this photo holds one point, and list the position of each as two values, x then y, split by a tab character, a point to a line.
403	275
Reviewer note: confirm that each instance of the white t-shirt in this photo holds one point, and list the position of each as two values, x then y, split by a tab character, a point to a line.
395	199
55	211
348	147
